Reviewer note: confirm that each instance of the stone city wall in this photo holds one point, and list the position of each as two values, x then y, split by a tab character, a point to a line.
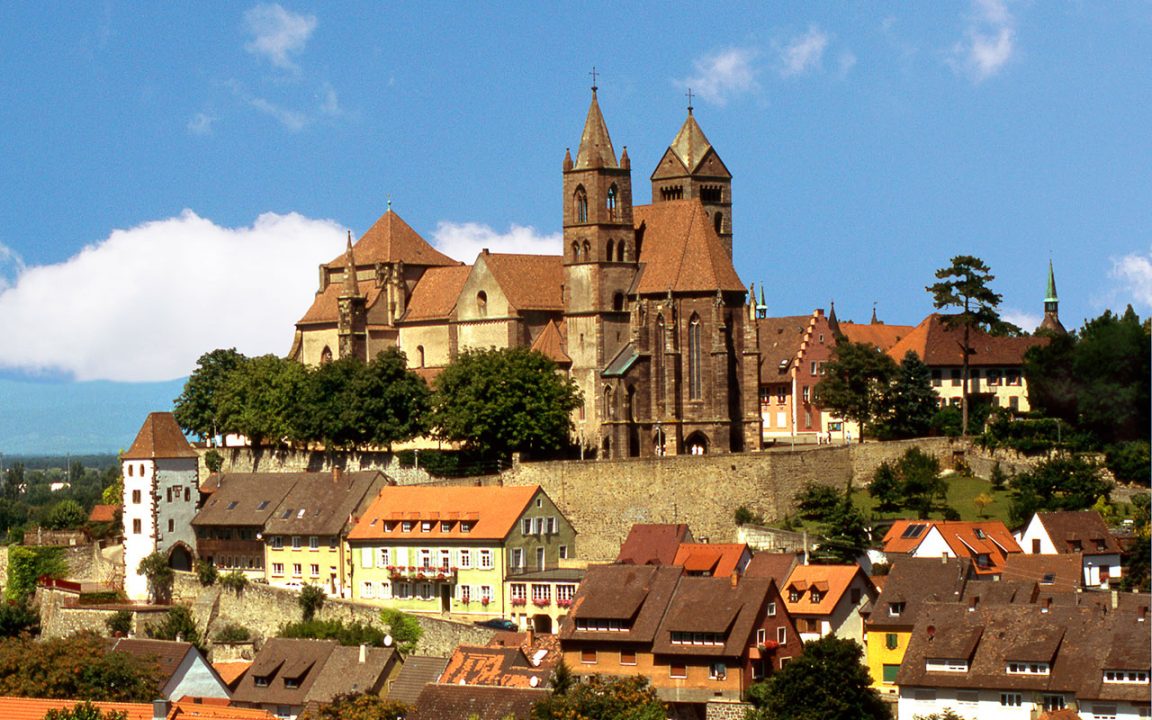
244	460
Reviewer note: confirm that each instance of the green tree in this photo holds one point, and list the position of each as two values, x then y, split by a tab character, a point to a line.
1112	367
18	617
27	564
85	711
213	460
78	666
1064	482
394	400
310	600
14	480
404	629
501	401
857	382
65	515
197	409
206	572
885	488
827	682
178	624
1129	461
911	403
160	576
603	698
816	502
964	287
843	533
119	623
921	486
353	633
262	400
358	706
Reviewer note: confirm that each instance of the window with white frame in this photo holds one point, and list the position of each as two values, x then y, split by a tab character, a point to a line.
541	594
406	526
384	557
782	635
426	591
277	542
553	526
761	636
313	542
486	593
1020	668
296	544
517	560
315	570
464	593
426	526
967	697
366	557
465	558
946	665
519	593
425	558
445	559
366	589
386	590
277	568
526	526
485	559
1126	676
403	590
565	593
297	570
718	671
563	552
465	527
772	608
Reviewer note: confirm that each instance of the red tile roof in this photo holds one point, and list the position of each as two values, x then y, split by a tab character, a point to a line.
939	345
780	339
230	671
159	437
715	559
965	539
390	240
326	305
681	251
103	513
653	544
492	512
1083	529
435	295
831	580
882	336
529	282
19	708
550	343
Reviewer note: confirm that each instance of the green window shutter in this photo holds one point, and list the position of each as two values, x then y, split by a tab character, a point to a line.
890	673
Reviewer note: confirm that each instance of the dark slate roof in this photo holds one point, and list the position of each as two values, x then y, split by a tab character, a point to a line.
914	582
418	671
1086	527
713	605
637	595
165	654
344	672
243	498
324	503
653	544
159	437
449	702
777	566
280	658
780	339
1054	573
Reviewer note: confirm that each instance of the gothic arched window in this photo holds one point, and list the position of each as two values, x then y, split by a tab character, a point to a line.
611	202
481	303
326	355
611	248
695	380
575	252
581	205
618	302
419	356
587	251
620	251
718	221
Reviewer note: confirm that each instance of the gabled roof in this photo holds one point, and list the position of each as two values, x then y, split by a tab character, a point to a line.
878	334
323	503
1054	573
717	559
777	566
438	702
550	343
417	672
595	144
435	295
653	544
280	658
713	605
245	498
491	511
831	581
1068	527
634	595
690	148
964	539
159	438
325	307
780	339
938	345
529	282
103	513
345	672
681	251
166	655
913	582
390	240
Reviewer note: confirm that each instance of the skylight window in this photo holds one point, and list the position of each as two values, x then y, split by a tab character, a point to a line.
286	514
263	504
300	514
913	531
232	505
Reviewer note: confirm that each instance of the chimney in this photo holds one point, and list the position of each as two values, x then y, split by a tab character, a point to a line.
805	547
1115	598
734	579
335	474
973	603
1143	614
1047	604
160	709
530	637
363	653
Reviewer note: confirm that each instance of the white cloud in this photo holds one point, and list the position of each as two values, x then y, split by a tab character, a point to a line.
464	241
719	76
1134	271
278	33
11	265
1026	321
847	61
988	43
803	53
330	101
201	124
144	303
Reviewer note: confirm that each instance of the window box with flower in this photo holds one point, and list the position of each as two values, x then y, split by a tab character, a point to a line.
563	603
541	602
519	602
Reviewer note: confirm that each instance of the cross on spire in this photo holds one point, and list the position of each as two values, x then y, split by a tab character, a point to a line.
689	94
594	74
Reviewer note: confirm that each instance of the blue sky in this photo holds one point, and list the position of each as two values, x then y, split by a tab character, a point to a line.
173	173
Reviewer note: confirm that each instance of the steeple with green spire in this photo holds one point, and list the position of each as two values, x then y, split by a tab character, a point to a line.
1051	321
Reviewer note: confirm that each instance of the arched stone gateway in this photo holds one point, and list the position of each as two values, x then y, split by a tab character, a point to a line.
180	557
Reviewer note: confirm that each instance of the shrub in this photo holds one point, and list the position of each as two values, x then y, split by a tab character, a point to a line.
232	633
178	624
206	572
213	461
310	600
405	629
999	478
27	564
120	623
155	568
745	516
354	633
1129	461
235	581
18	618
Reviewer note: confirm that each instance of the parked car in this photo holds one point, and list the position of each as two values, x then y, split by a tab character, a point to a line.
498	624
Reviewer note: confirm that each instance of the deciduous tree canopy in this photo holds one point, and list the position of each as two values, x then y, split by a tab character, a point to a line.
857	382
79	666
603	698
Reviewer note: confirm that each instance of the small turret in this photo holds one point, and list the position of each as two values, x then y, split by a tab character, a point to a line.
567	159
350	289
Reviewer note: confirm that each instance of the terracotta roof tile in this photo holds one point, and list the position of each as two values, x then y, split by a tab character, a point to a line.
1054	573
882	336
717	559
780	339
836	577
938	345
390	239
20	708
1065	528
529	282
207	709
492	512
681	251
965	539
159	437
103	513
326	305
230	671
498	666
434	297
653	544
777	566
550	343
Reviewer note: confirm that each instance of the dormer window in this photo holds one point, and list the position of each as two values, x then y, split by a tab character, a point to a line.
816	596
291	683
793	595
946	665
465	527
406	526
445	526
1021	668
895	609
1126	676
261	680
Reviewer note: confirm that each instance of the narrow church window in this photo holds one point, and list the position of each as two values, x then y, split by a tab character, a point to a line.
575	252
481	303
587	250
326	355
618	302
420	356
620	251
612	202
611	244
581	205
695	384
719	222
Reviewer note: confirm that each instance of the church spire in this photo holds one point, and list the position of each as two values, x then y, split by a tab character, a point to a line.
833	322
350	289
1051	321
595	144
